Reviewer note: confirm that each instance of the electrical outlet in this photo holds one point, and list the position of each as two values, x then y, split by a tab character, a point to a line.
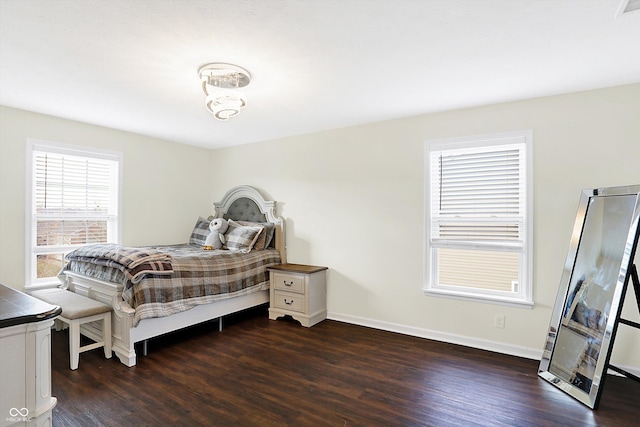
499	321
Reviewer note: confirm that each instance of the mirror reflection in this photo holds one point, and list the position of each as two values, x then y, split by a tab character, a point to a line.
591	289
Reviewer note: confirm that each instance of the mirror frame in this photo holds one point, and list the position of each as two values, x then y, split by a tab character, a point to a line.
594	349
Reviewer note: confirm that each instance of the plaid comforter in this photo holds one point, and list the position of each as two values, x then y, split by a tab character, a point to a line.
196	277
135	263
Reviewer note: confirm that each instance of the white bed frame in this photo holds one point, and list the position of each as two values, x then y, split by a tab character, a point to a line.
125	335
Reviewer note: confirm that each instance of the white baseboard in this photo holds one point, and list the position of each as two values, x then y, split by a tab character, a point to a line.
467	341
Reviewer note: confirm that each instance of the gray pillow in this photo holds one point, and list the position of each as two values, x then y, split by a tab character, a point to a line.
200	232
241	238
265	237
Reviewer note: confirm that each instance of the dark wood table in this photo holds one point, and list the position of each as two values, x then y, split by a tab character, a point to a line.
17	308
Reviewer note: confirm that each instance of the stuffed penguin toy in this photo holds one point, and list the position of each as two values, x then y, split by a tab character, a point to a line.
215	239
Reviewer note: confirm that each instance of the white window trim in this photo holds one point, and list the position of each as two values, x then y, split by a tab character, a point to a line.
31	282
525	299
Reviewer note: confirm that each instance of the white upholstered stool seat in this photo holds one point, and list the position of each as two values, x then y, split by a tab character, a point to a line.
77	310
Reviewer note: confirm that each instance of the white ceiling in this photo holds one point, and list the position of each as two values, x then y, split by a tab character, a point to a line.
316	64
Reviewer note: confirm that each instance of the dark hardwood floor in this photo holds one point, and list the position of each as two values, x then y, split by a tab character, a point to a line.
259	372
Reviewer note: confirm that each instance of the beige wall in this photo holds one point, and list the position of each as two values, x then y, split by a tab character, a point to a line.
353	200
166	185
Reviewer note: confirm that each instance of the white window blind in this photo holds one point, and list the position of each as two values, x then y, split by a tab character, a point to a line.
74	201
477	220
476	194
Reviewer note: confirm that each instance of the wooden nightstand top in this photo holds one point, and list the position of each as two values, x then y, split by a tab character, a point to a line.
298	268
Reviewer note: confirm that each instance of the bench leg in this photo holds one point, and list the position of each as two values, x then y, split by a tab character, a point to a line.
106	334
74	344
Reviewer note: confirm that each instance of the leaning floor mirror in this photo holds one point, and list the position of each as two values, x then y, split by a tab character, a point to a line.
592	288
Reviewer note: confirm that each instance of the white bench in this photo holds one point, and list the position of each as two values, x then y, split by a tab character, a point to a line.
77	310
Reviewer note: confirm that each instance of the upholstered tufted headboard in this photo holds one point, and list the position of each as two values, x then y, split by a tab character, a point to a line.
245	209
245	203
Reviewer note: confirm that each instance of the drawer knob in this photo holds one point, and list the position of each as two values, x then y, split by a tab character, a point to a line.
288	284
288	302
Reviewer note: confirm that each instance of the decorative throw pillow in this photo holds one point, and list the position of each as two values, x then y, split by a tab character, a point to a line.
241	238
265	236
200	232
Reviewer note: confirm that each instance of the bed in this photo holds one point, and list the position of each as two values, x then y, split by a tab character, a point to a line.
141	312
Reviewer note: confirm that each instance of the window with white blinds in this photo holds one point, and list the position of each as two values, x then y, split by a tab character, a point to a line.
478	219
74	199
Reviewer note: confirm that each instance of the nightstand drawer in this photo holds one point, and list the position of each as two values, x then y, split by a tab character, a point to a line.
288	282
289	301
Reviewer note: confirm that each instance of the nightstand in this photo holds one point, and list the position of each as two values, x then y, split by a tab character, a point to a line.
299	291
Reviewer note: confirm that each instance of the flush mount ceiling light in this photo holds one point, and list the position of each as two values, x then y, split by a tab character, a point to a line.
220	83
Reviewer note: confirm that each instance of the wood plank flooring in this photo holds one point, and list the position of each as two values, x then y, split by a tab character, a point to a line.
260	372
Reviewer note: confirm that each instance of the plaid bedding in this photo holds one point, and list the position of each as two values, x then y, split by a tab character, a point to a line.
135	263
197	277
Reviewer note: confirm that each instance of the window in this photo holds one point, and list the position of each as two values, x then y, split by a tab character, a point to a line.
478	221
72	200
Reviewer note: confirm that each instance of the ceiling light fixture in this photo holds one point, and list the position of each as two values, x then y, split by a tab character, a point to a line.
220	83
